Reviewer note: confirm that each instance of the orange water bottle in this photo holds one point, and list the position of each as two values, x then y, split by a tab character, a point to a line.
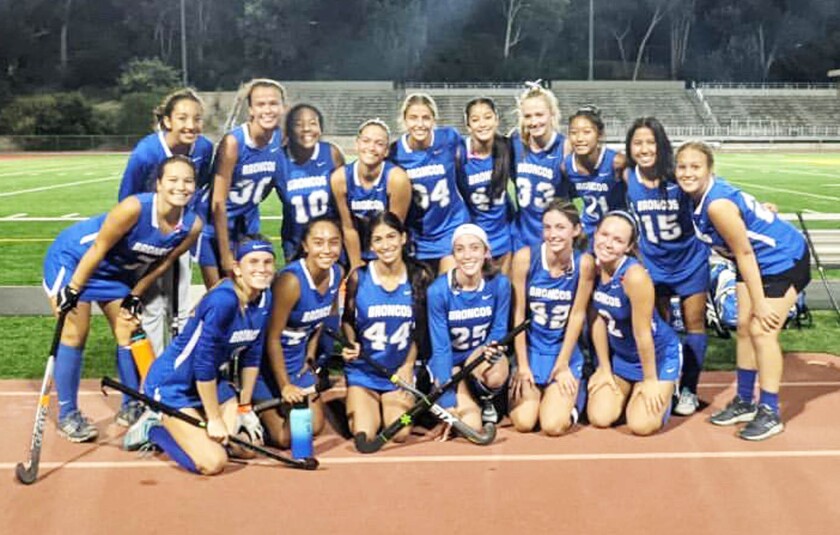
142	352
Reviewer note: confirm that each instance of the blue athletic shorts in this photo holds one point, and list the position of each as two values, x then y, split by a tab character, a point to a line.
542	363
668	364
266	387
180	396
59	268
697	282
431	249
361	374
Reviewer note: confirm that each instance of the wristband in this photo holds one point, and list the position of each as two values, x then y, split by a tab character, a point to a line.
245	408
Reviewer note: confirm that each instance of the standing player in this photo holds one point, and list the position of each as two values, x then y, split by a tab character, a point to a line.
384	317
247	162
552	284
179	123
677	261
469	307
484	172
773	266
594	170
228	322
429	155
304	296
112	259
638	353
304	190
538	151
367	187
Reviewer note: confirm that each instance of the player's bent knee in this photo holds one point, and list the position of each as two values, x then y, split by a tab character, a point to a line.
212	463
555	427
523	421
645	426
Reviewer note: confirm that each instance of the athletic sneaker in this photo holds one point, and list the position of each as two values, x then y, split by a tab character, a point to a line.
765	424
687	403
489	414
736	411
137	435
129	413
76	428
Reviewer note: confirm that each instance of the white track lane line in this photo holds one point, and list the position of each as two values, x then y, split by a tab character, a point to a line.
488	458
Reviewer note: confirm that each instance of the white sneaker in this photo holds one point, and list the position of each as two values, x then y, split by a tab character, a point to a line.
687	403
137	435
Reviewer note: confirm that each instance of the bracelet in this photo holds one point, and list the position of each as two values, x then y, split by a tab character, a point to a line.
245	408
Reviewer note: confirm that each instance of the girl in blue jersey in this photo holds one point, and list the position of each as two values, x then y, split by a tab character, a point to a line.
112	259
594	170
469	307
677	261
248	160
229	321
538	151
552	285
367	187
384	317
179	123
772	262
304	296
638	353
484	172
304	190
429	155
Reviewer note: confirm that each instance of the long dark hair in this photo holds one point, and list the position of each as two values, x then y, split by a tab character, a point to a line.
663	169
419	274
500	152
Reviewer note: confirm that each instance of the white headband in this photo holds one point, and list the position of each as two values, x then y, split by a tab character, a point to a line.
469	229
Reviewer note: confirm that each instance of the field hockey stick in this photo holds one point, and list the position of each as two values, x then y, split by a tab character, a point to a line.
321	386
480	438
818	263
28	473
310	463
407	418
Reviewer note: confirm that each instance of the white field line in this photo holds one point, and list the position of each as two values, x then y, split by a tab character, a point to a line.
750	185
762	167
58	186
51	169
489	458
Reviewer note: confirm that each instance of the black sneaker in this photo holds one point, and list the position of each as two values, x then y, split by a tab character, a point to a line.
765	424
736	411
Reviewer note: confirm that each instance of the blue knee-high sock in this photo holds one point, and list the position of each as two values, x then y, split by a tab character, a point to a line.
159	436
694	353
770	399
68	374
746	384
127	371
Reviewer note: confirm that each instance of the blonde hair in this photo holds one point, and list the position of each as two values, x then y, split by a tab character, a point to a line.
377	122
264	82
535	90
699	146
167	105
418	98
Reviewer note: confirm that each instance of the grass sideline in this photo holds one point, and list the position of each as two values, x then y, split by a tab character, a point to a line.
24	343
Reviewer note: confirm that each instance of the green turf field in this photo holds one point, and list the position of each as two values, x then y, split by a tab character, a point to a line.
81	185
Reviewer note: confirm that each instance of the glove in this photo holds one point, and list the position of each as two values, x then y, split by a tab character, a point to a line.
132	304
250	423
67	299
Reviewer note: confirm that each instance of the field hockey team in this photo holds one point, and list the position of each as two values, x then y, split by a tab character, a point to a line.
419	255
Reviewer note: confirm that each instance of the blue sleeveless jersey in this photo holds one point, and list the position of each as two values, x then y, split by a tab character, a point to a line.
306	316
492	215
549	302
305	193
365	204
142	167
601	192
460	321
669	247
776	243
384	325
538	180
128	260
613	305
217	330
437	208
255	171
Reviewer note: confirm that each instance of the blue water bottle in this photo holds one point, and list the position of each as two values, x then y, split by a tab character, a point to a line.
300	422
